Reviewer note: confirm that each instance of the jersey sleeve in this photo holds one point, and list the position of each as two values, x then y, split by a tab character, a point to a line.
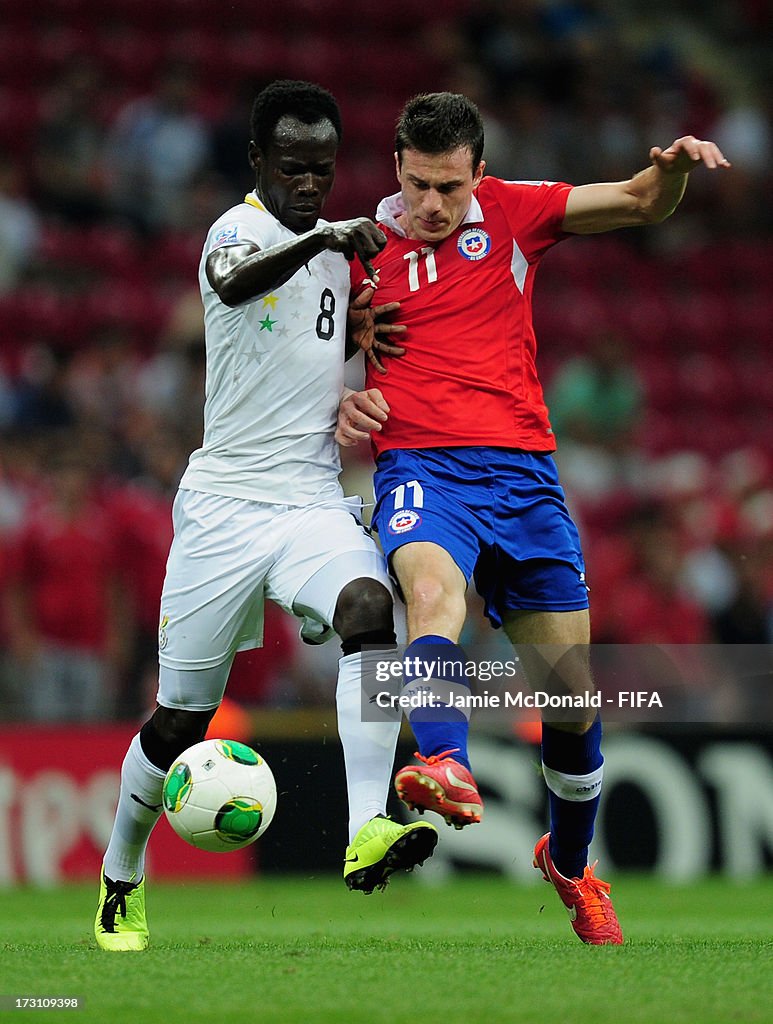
241	226
535	212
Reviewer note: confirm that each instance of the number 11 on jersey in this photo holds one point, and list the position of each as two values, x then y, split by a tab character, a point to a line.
413	266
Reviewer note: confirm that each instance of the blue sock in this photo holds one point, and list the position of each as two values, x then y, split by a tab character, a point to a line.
434	736
566	755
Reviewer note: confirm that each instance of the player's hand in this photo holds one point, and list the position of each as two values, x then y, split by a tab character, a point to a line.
367	330
358	237
685	154
359	413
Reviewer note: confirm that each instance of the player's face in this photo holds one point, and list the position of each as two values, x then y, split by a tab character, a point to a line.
296	173
437	190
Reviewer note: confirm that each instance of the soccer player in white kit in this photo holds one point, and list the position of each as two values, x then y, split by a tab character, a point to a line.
260	512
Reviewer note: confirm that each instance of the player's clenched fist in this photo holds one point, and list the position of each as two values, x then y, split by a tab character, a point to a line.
359	413
358	237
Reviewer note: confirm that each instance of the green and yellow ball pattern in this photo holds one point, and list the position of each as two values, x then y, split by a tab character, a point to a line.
238	819
238	752
177	787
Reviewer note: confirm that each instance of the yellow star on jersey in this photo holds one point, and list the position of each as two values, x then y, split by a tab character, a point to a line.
267	324
270	300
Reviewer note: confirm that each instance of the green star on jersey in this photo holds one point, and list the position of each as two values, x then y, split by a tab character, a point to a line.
267	324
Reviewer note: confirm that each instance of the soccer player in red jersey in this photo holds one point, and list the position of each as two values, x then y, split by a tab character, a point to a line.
465	481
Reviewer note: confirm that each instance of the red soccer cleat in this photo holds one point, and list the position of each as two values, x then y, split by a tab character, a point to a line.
443	785
586	899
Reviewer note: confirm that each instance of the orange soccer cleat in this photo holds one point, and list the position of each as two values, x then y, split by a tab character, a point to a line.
586	899
443	785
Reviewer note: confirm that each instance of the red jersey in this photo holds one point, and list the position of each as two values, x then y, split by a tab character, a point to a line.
143	520
468	377
66	566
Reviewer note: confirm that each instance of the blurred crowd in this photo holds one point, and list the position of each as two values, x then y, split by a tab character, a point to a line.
123	134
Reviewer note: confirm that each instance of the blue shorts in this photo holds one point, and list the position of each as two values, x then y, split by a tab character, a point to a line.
499	513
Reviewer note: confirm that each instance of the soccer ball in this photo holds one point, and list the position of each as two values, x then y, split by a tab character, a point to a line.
219	795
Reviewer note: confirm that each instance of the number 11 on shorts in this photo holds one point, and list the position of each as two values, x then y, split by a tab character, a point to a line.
399	493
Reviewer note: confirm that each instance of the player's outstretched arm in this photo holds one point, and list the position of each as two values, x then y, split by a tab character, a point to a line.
647	198
239	273
359	413
365	329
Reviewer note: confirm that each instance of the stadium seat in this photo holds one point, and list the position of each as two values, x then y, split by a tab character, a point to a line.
252	55
116	250
644	317
39	314
133	56
754	372
752	319
142	311
104	250
659	373
706	381
174	255
563	336
747	263
19	67
711	433
59	45
19	115
371	124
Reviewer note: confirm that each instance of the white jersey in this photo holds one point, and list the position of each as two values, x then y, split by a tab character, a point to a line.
275	369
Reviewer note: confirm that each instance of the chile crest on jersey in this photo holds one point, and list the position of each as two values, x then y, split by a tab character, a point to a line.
474	243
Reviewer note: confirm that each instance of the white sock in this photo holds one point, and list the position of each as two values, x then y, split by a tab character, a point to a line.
134	821
369	747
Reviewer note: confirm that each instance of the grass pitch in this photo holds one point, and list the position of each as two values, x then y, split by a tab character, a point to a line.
477	949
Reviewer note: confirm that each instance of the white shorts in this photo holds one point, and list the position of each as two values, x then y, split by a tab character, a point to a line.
228	555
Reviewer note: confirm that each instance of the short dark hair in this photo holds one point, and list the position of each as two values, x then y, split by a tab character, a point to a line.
308	102
437	122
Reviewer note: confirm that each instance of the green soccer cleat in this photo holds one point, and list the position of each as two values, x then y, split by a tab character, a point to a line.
120	925
383	846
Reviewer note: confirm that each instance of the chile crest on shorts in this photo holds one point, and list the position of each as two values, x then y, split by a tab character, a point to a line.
403	521
474	243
